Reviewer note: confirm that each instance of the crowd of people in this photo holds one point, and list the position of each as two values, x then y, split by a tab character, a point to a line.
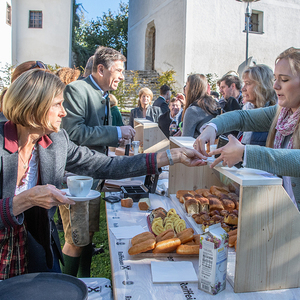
62	123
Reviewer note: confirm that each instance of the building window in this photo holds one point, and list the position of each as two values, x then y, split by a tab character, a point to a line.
255	22
8	14
35	19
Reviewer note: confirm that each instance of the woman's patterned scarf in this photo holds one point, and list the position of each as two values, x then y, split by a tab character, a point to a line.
286	125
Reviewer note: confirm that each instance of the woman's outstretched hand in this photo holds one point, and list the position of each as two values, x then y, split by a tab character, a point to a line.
231	153
191	157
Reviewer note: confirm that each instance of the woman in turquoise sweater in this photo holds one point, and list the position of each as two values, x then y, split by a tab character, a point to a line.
282	154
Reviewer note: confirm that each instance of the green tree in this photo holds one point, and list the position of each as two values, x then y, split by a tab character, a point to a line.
110	30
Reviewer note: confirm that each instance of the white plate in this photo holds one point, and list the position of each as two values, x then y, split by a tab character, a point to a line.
91	195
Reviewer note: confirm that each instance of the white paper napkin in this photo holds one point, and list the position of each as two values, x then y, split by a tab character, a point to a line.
127	232
173	271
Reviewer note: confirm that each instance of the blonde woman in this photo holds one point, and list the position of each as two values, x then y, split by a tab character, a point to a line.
282	154
144	109
257	92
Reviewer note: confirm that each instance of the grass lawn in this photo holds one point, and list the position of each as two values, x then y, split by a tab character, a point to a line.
101	262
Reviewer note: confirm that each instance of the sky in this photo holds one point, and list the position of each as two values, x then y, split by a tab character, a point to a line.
96	8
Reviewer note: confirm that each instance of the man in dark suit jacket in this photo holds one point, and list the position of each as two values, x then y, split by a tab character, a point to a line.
164	98
172	116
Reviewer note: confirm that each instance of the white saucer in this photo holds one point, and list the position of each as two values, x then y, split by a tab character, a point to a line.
90	196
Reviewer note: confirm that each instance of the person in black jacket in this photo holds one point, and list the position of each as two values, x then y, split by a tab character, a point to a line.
164	98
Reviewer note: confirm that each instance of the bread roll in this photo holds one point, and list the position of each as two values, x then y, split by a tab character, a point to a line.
167	246
142	247
215	204
203	203
214	212
233	196
206	193
191	206
188	249
231	219
158	212
192	242
202	218
217	218
197	239
224	212
201	191
142	237
232	232
192	193
144	204
225	227
228	204
168	234
181	193
232	240
215	188
185	197
126	202
186	235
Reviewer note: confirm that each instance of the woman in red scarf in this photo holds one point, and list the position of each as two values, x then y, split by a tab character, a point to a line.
281	156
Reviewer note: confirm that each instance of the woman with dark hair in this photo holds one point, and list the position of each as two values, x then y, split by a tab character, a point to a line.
34	154
200	106
145	109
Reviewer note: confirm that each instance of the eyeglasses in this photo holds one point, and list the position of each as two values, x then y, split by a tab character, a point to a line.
39	64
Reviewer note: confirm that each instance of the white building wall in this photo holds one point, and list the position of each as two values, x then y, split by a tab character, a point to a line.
170	34
207	36
5	29
50	44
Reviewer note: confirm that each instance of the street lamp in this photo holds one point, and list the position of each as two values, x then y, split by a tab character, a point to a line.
247	15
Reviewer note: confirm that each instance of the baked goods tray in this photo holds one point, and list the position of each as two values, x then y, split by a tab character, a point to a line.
168	256
180	210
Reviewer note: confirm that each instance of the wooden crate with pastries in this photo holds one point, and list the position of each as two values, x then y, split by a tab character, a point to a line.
210	206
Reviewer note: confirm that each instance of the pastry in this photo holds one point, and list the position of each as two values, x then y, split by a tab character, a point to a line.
231	219
215	204
158	212
142	237
167	246
168	234
228	204
144	204
142	247
197	239
179	225
232	240
201	191
188	249
186	235
126	202
181	193
203	203
185	197
191	206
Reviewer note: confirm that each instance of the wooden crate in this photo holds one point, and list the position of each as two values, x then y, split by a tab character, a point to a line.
150	136
268	239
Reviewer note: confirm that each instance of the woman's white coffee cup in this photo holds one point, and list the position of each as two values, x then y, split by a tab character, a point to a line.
79	186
